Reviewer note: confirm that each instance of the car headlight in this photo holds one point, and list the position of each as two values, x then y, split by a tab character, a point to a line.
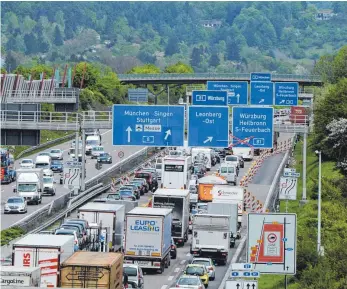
7	207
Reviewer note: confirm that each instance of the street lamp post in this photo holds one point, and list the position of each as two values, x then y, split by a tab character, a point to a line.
319	153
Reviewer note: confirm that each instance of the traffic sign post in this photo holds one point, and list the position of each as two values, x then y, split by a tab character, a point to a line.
250	274
288	188
237	90
254	124
209	97
260	76
272	243
286	93
262	93
208	126
157	126
241	284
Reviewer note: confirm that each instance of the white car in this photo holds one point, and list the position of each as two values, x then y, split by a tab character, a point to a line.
135	274
97	151
48	173
27	164
48	185
209	265
56	154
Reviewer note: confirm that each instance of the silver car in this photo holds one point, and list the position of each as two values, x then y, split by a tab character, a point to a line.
27	164
56	154
209	265
135	274
189	281
15	205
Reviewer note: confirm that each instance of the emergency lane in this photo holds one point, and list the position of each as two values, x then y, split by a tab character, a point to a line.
91	171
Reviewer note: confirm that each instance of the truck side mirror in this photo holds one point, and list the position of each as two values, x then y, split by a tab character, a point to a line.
39	190
15	190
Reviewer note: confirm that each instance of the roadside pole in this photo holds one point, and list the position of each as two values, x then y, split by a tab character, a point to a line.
304	155
76	145
83	184
319	202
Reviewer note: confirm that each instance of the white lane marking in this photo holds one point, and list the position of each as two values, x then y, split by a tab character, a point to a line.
177	270
106	132
170	278
182	262
163	287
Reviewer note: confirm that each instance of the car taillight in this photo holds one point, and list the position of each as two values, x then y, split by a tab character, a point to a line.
76	242
179	286
172	247
190	222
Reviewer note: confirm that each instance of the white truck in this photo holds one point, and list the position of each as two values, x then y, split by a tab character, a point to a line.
12	276
148	238
211	237
92	141
45	251
228	210
179	201
29	185
229	194
247	153
176	171
202	155
110	217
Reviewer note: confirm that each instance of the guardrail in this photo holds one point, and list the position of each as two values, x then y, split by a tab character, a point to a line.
46	144
98	184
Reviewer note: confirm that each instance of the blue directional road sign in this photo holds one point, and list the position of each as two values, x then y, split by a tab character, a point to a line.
254	126
260	76
237	90
208	126
210	97
158	126
262	93
138	94
286	93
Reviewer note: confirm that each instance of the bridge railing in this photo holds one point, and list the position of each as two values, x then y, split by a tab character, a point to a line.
216	76
60	95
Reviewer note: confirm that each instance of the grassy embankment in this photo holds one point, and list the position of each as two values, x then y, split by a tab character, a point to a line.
333	219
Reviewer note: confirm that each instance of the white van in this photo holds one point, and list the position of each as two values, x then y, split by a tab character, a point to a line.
246	153
228	171
233	160
176	172
92	141
43	162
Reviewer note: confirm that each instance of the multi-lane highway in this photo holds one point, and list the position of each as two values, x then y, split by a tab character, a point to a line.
7	190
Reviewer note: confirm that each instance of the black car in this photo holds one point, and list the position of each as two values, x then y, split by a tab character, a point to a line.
173	250
104	158
242	161
148	176
141	187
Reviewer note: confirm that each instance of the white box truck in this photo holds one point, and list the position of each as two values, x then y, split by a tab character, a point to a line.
229	194
202	155
109	217
176	171
29	185
148	238
211	237
12	276
247	153
228	210
179	202
44	251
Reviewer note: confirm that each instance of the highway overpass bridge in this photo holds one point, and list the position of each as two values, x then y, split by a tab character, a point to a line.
176	78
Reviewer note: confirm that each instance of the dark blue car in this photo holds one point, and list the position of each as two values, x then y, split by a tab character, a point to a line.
57	166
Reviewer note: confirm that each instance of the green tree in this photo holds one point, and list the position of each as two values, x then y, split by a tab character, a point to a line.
27	25
214	60
31	43
144	69
109	86
43	44
11	20
58	37
172	46
179	67
340	64
196	57
91	75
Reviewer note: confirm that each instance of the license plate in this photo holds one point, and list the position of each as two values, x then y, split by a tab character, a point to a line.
142	263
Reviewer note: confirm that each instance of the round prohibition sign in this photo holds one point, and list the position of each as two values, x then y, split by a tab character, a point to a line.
121	154
272	238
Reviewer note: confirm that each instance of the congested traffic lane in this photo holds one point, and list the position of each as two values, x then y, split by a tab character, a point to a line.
91	171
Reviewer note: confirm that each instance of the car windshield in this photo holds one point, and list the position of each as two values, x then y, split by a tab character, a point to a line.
44	154
225	170
113	196
92	142
98	149
65	232
202	262
104	155
55	162
47	180
202	207
138	184
14	200
26	188
188	281
131	271
195	270
158	166
231	159
142	175
41	165
55	151
27	161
